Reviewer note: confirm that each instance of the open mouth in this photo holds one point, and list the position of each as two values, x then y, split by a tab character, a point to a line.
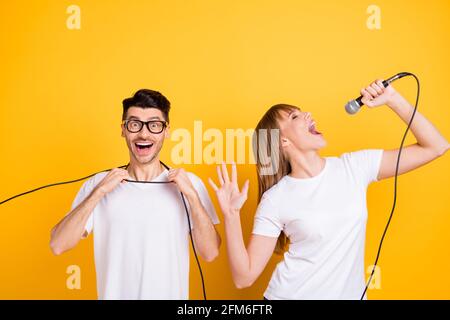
312	129
143	148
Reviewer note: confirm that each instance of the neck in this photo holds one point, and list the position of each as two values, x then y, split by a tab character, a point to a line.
144	172
306	165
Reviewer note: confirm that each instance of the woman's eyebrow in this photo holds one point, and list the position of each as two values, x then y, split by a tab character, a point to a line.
292	112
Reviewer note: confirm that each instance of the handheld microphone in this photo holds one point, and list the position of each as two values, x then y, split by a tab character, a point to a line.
353	106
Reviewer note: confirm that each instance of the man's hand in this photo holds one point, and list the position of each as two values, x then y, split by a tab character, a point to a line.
112	180
181	179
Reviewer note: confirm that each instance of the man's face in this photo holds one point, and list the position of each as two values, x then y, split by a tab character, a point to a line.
144	146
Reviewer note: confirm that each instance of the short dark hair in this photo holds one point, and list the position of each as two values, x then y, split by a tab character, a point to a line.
146	98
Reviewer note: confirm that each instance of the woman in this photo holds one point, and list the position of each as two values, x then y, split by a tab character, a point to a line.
318	203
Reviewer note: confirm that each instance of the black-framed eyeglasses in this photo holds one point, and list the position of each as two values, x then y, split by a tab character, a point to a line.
154	126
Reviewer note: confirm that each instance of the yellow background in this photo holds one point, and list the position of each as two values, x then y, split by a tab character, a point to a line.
225	63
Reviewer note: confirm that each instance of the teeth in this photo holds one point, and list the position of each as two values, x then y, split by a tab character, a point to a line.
144	144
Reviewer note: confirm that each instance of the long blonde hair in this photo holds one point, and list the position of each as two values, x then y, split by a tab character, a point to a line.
265	151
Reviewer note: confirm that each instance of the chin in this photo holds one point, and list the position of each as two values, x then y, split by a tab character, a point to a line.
321	145
143	159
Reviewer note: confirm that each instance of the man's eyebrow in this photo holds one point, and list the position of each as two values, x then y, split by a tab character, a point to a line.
152	118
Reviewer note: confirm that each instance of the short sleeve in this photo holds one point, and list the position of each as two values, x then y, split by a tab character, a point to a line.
267	221
84	191
202	192
365	164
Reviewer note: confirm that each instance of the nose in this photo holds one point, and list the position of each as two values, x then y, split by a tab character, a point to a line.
145	132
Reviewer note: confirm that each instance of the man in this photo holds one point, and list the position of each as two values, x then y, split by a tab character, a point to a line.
141	242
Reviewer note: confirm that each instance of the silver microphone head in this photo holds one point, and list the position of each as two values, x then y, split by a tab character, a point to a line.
352	107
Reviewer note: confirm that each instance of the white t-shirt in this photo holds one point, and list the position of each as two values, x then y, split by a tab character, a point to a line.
325	219
141	238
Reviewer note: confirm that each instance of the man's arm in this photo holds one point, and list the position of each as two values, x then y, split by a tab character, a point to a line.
206	239
69	231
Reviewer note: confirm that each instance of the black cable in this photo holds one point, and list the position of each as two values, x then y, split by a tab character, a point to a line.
55	184
193	247
133	181
395	183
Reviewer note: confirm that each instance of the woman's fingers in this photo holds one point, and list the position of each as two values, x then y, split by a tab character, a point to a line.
219	174
372	91
222	173
213	185
234	174
225	176
366	97
380	84
245	188
365	94
377	88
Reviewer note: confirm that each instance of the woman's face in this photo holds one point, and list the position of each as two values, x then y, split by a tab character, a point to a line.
298	131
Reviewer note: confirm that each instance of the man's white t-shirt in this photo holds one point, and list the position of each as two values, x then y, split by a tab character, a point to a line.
324	218
141	238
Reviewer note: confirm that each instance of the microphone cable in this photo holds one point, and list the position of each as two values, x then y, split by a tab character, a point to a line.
132	181
395	182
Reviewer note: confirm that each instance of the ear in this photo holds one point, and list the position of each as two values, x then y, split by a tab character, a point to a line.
122	130
167	132
284	142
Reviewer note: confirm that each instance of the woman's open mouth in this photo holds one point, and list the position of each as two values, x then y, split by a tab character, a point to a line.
312	129
143	148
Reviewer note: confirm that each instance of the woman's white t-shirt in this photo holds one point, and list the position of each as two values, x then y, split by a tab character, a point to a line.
324	218
141	238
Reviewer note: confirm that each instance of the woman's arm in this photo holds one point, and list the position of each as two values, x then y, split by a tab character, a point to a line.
430	143
246	263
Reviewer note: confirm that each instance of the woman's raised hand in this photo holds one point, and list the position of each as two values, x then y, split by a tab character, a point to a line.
230	198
